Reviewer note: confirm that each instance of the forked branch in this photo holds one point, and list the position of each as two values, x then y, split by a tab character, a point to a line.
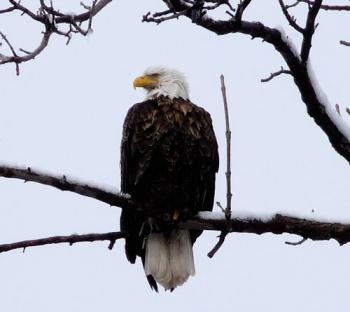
297	62
52	20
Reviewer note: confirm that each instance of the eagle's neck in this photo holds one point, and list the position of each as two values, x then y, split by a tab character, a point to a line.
172	89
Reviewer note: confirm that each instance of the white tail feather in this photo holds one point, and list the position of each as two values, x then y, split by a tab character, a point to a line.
169	260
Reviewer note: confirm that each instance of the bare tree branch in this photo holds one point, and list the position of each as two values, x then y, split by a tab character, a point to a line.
63	184
302	241
10	9
296	3
278	224
160	16
315	108
227	210
346	43
291	19
218	245
71	239
241	8
28	55
309	30
228	150
275	74
50	18
328	7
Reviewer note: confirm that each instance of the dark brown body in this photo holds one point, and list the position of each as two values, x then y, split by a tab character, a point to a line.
169	158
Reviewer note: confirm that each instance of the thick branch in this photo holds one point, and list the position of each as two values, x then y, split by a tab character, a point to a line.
63	184
241	8
309	30
298	69
279	224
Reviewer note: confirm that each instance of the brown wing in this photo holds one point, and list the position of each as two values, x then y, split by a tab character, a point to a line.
169	159
132	166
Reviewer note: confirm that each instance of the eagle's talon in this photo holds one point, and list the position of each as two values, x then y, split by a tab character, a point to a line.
176	215
151	224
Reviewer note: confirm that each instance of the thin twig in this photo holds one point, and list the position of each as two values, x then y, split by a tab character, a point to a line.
303	240
15	56
10	9
328	7
275	74
221	240
345	43
71	239
228	150
291	19
289	6
337	108
149	18
88	30
51	18
227	210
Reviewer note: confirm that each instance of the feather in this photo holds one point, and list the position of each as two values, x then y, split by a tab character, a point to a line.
169	261
181	257
172	83
157	259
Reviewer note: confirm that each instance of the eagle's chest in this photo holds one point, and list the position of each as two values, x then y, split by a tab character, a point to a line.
168	121
170	137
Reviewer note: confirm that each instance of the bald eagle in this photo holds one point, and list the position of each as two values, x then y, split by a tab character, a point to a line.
169	158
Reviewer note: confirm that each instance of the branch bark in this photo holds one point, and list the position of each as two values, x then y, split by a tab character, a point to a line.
275	74
227	210
315	230
63	184
279	224
297	67
50	18
71	239
328	7
309	31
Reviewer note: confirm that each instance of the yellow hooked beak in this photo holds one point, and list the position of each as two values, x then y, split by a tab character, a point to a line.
146	82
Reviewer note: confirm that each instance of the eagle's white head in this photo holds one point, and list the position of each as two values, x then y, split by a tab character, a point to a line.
158	80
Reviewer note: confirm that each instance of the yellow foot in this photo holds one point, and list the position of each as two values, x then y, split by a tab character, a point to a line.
176	215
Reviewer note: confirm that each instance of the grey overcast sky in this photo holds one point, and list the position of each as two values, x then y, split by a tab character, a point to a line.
64	115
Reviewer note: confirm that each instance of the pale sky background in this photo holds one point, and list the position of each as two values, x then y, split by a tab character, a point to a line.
64	115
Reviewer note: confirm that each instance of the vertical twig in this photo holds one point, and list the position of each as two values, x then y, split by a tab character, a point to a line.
227	210
228	151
